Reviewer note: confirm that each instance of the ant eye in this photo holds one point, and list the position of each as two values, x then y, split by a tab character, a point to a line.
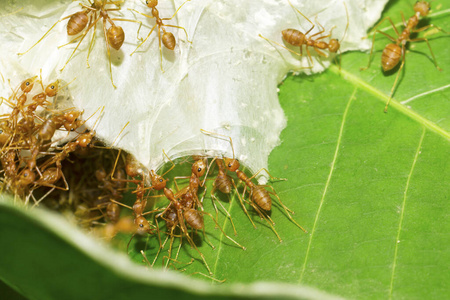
199	170
52	87
28	83
160	180
141	225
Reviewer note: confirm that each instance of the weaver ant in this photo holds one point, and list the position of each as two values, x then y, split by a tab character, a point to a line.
393	53
295	37
167	38
86	19
259	198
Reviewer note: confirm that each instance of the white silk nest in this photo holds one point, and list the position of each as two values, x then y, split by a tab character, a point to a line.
224	82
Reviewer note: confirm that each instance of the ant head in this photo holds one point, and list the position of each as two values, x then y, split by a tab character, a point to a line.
158	182
27	177
72	116
422	7
100	174
85	139
52	89
98	4
143	226
333	45
151	3
231	164
28	84
199	168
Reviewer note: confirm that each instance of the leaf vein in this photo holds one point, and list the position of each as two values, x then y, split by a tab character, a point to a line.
397	240
425	93
338	144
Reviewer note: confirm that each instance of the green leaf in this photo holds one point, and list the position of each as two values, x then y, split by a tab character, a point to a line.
370	187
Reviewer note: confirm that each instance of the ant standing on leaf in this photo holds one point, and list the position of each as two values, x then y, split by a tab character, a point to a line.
259	198
167	38
393	53
297	38
86	19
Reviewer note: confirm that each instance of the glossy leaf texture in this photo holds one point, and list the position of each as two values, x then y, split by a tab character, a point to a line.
370	187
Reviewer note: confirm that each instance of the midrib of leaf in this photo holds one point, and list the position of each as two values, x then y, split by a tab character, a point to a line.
358	82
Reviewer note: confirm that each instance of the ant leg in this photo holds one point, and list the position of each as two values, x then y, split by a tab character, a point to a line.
396	79
108	51
172	238
140	25
173	164
215	221
191	242
44	35
143	40
207	276
429	47
159	250
271	177
286	209
429	26
165	19
160	50
145	259
91	45
120	203
278	44
266	218
303	17
225	210
242	203
403	19
81	39
179	27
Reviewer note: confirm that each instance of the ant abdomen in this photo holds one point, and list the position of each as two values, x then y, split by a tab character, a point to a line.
193	218
223	183
391	56
293	37
168	40
333	45
262	197
77	23
115	36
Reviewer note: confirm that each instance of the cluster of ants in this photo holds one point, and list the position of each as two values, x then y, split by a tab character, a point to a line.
27	134
36	163
81	22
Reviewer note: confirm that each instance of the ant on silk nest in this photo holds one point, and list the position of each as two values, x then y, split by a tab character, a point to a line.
81	22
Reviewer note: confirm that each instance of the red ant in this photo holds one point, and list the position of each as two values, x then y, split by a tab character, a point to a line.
295	37
393	53
259	197
167	38
86	19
